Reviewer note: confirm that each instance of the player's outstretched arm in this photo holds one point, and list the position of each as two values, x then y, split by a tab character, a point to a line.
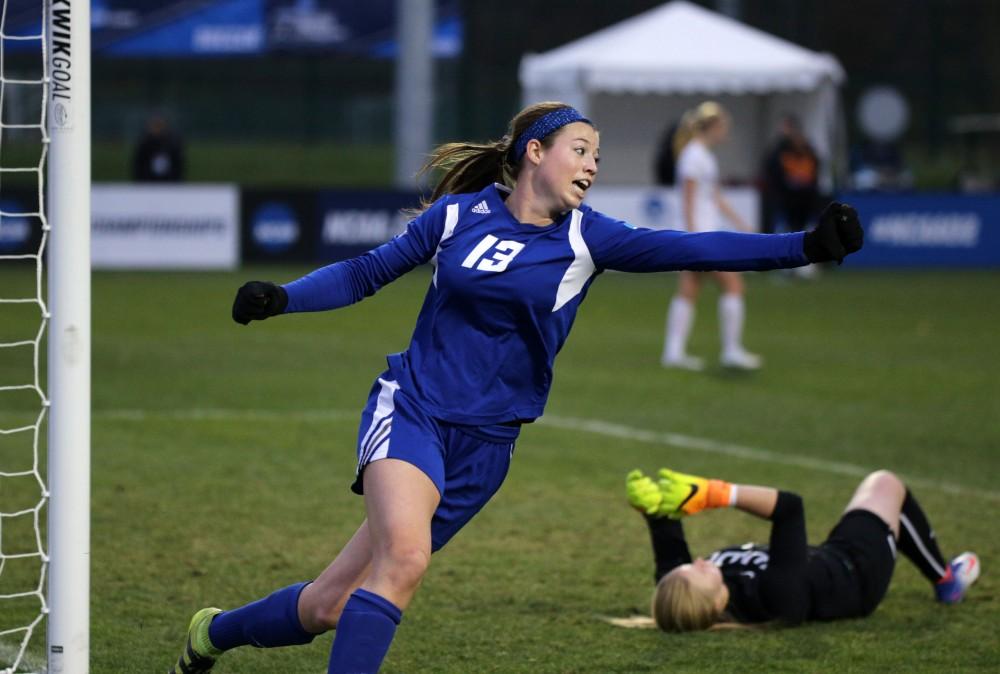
258	300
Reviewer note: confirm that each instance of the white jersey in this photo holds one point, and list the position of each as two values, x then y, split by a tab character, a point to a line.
697	163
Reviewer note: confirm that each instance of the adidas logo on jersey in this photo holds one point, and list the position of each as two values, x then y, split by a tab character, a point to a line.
482	208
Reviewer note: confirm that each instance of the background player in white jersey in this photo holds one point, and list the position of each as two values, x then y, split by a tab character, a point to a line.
514	251
705	209
787	582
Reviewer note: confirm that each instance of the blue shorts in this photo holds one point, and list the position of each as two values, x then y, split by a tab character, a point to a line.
467	464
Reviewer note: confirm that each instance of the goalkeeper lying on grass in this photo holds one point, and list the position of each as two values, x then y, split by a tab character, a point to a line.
788	581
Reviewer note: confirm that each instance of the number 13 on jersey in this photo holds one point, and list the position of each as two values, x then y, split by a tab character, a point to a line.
500	254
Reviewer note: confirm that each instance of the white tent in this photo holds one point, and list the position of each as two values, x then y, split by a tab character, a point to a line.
636	77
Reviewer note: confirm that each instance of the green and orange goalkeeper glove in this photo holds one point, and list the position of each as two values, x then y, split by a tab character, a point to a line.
684	494
643	494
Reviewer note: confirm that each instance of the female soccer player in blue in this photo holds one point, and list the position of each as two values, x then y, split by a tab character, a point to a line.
514	250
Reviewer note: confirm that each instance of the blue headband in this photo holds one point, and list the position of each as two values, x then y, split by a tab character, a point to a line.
544	126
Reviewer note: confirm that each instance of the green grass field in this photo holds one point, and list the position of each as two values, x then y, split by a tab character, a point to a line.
222	457
324	163
273	165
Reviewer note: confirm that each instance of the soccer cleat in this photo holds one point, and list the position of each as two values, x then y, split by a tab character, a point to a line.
962	573
684	362
199	654
741	360
643	494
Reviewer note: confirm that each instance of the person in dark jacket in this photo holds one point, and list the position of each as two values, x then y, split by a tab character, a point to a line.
159	154
791	176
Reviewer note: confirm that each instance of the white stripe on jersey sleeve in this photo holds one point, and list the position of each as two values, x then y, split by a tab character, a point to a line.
450	220
580	269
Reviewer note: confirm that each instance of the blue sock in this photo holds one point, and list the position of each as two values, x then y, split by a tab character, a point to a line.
266	623
364	632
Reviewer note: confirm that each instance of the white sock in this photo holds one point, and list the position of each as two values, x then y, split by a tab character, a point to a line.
731	313
680	318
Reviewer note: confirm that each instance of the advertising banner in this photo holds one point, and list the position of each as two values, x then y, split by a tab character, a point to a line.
146	226
927	230
228	28
279	226
659	207
153	28
352	222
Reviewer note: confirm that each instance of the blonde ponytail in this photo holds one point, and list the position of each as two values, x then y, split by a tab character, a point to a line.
696	120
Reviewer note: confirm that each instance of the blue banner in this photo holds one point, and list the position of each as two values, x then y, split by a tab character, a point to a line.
229	27
202	28
192	28
320	226
353	222
927	230
279	225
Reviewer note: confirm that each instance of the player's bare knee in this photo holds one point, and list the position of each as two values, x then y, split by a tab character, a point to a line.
731	283
403	566
885	481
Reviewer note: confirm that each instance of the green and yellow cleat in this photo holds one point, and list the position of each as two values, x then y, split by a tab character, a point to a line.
199	654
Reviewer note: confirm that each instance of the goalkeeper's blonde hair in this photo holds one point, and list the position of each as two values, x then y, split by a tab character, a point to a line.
679	606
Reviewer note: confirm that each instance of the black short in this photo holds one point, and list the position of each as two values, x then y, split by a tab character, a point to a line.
861	551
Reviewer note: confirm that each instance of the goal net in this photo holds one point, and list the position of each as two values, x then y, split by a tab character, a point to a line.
44	297
23	323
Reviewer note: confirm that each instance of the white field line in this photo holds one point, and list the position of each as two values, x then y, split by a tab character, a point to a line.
222	414
593	426
706	445
9	651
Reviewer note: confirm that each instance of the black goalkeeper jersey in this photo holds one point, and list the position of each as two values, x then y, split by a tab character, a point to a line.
787	580
827	576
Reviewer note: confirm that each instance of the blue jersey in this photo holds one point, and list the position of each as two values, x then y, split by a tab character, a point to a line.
504	294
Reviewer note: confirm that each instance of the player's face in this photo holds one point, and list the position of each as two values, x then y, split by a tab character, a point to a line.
568	168
719	131
705	575
707	570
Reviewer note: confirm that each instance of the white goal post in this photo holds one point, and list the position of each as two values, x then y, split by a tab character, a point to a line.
69	345
45	113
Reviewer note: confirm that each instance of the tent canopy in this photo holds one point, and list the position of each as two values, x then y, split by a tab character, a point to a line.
636	77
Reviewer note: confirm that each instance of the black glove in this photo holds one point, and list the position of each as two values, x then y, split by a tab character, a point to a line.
258	300
837	235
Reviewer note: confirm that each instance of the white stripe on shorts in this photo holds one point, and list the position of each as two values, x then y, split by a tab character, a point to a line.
377	435
380	449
